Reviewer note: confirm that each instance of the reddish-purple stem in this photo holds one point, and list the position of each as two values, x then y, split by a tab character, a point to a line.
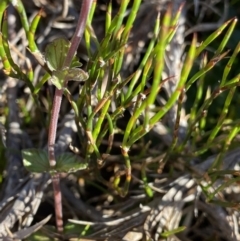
57	202
86	5
53	126
52	160
76	39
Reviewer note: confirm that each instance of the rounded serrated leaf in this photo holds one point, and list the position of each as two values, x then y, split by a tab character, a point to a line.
69	162
76	74
56	53
60	76
35	160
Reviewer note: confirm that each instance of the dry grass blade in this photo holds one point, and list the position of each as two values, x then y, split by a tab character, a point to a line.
24	233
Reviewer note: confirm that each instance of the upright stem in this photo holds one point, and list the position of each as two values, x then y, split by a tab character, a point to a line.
76	39
86	5
53	126
52	160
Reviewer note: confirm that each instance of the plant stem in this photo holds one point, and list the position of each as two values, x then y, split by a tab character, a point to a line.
76	39
52	160
57	202
53	126
86	5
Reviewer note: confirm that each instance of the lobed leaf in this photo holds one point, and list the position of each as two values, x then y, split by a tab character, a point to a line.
56	53
35	160
69	162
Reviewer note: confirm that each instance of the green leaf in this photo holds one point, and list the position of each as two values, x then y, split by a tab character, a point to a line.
35	160
82	230
58	83
76	74
40	235
59	77
56	53
166	234
69	162
75	62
